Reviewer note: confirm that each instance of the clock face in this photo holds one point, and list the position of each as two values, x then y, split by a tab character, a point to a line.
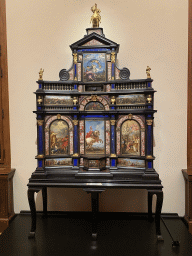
94	67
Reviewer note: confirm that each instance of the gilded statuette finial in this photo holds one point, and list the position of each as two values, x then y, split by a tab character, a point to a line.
41	74
95	18
148	69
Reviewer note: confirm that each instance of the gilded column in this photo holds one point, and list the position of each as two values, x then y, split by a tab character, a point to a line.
75	68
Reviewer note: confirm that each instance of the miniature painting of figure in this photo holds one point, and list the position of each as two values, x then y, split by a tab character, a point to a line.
130	138
59	138
59	100
58	162
131	163
94	137
94	67
131	99
94	105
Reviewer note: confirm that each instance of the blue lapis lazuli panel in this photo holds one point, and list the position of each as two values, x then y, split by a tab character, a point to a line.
113	86
75	162
149	84
150	165
75	70
149	106
39	108
113	162
75	86
113	139
40	140
40	86
149	140
112	107
149	116
94	50
113	70
40	163
75	139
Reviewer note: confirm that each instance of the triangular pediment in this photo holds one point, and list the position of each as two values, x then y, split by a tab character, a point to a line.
95	40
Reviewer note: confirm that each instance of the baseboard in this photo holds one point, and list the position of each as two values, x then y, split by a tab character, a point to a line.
81	214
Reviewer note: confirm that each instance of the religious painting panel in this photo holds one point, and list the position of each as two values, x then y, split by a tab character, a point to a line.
130	138
94	67
94	137
94	106
59	138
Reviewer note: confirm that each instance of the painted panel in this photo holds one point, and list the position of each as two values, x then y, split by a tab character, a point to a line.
58	162
130	163
94	67
94	106
59	138
117	71
109	70
131	99
58	100
130	138
94	137
79	71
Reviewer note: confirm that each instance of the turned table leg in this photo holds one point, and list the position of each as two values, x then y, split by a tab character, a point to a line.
95	209
158	214
31	199
44	195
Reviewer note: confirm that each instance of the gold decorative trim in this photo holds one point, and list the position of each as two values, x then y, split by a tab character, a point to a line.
149	98
149	122
40	122
112	78
148	69
112	122
75	58
41	74
113	155
75	122
58	116
39	100
113	100
150	157
75	78
130	116
94	97
75	100
113	57
40	156
75	155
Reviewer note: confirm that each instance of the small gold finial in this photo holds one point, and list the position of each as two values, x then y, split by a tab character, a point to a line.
58	116
113	100
41	74
75	100
95	18
39	100
149	99
148	69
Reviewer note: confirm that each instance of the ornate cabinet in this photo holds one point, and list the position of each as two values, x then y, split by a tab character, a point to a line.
95	127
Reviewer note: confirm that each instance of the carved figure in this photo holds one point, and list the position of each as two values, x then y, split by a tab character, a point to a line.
95	18
92	137
148	69
41	74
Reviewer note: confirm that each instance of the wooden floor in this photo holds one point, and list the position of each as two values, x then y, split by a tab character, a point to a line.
119	234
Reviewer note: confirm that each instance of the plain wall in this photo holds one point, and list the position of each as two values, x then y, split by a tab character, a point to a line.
153	33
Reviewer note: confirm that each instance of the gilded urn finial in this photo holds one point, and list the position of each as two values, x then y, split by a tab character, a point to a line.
95	18
148	69
41	74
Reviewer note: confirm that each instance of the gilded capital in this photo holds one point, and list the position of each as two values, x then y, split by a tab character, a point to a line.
112	122
113	155
75	122
40	122
149	122
40	156
75	155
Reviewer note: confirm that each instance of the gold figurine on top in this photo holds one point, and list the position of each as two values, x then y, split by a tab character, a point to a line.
41	74
95	18
148	69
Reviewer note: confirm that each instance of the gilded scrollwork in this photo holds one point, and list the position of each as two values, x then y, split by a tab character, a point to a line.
113	57
40	122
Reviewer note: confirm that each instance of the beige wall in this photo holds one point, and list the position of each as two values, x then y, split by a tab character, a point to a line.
152	33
